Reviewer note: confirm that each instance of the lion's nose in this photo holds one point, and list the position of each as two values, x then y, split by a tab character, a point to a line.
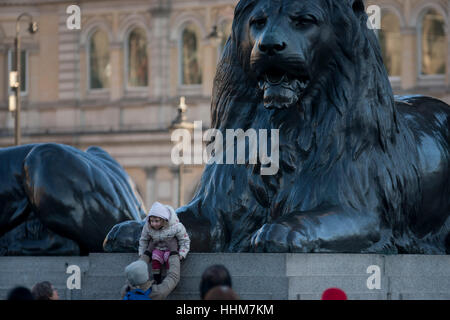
271	46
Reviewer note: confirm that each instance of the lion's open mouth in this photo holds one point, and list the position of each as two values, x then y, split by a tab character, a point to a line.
282	89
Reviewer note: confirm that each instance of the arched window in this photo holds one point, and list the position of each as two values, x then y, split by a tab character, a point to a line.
99	62
391	43
224	34
137	60
432	44
191	71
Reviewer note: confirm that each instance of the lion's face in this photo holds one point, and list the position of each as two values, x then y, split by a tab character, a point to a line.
289	43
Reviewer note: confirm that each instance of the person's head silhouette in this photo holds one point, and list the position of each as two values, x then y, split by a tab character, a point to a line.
215	275
20	293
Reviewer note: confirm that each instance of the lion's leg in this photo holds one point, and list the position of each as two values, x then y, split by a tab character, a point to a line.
14	211
14	204
332	230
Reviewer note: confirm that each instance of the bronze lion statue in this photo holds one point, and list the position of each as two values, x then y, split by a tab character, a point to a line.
360	170
58	200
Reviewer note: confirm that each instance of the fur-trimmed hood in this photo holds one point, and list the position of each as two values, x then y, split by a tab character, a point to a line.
173	219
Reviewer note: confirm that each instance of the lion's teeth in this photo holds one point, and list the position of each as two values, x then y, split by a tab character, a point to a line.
303	84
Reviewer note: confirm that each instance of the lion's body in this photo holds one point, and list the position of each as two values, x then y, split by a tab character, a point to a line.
75	195
359	171
428	120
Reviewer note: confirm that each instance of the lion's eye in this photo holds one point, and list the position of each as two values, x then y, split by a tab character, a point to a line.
259	22
302	21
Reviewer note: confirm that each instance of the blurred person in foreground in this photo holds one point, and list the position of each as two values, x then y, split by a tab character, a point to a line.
20	294
215	275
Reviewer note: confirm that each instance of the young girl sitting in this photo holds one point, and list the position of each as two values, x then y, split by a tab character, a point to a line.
162	225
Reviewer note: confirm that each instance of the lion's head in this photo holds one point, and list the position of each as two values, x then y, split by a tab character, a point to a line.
313	60
291	43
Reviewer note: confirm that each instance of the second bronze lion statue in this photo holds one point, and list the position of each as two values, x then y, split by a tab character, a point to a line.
360	170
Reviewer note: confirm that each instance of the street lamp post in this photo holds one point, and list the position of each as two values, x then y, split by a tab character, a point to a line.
181	122
215	35
32	28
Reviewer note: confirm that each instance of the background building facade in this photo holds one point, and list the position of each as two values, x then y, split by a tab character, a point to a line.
117	81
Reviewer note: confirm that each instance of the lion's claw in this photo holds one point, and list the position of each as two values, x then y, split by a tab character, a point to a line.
277	238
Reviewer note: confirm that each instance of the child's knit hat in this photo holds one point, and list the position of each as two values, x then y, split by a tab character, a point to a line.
137	273
159	210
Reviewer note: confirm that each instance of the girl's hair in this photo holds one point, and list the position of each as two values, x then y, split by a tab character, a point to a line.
42	290
164	220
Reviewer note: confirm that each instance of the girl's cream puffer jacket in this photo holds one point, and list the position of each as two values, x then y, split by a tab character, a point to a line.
174	229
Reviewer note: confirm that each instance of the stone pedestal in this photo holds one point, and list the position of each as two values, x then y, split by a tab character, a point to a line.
255	276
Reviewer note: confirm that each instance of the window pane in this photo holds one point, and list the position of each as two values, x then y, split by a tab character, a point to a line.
391	43
100	67
137	59
191	71
433	44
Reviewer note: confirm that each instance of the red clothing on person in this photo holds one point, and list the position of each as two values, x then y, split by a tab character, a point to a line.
159	258
334	294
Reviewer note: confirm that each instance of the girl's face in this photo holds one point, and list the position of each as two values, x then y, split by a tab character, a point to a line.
54	295
156	222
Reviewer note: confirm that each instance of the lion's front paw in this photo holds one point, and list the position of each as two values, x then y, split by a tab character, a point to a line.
278	238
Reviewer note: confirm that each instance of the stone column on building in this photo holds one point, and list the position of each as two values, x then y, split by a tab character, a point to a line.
71	59
174	68
150	196
410	61
117	78
160	52
83	72
175	186
151	80
209	66
48	54
447	80
116	60
209	55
